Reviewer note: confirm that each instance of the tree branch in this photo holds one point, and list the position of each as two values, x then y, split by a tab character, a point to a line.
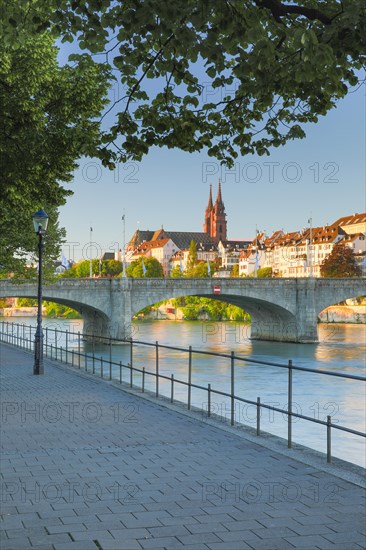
279	10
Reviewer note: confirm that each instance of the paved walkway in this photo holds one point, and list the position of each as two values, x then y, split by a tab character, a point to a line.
86	465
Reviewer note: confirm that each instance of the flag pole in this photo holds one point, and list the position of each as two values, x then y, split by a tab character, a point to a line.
124	246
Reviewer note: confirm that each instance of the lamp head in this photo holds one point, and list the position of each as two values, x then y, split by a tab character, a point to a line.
40	221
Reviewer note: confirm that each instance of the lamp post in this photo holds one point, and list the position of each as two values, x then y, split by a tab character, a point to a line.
40	222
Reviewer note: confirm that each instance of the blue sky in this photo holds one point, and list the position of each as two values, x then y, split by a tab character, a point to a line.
321	176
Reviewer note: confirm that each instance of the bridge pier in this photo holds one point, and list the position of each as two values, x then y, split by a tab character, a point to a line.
103	327
284	332
273	323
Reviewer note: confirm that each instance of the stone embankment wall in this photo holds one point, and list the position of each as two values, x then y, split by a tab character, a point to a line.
344	314
19	311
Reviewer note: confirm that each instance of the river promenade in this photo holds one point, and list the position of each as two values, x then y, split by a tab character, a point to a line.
87	464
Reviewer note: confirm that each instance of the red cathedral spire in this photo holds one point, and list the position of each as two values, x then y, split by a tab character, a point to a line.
219	196
207	223
215	218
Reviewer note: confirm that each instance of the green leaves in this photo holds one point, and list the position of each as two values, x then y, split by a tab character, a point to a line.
228	77
48	121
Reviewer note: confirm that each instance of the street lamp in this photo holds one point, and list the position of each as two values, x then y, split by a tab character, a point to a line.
40	222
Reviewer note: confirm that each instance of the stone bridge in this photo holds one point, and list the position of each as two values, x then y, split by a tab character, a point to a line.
281	309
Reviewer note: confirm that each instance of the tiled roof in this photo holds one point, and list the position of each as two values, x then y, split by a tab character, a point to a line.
350	220
148	245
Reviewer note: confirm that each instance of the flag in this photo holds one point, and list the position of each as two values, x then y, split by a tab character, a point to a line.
64	262
143	268
208	268
181	265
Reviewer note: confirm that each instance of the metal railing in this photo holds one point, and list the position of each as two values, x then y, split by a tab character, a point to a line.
22	336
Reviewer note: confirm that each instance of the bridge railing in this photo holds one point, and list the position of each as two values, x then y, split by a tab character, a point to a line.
22	336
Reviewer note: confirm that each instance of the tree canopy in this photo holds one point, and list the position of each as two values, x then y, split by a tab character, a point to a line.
101	268
341	262
48	118
231	76
153	268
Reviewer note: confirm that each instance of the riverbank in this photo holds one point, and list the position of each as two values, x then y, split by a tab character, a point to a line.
344	314
352	314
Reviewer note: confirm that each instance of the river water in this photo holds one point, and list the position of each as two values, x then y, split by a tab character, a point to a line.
342	348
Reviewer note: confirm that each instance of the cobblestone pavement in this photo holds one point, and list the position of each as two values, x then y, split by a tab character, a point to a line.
86	465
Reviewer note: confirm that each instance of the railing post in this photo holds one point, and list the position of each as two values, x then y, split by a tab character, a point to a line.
120	372
131	376
51	352
101	367
46	334
157	369
110	368
61	354
329	439
232	389
86	361
72	357
143	380
172	388
209	400
56	343
131	352
79	348
189	377
93	362
258	415
289	409
67	341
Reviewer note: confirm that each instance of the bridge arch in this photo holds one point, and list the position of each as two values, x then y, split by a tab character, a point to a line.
269	321
95	321
338	294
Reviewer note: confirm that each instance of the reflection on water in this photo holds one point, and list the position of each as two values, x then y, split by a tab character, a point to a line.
341	348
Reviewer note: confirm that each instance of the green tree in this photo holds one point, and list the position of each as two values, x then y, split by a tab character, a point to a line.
176	272
341	262
264	272
153	267
55	310
48	121
192	259
26	302
112	268
266	67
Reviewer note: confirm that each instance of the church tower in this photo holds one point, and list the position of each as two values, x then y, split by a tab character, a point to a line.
218	219
207	223
215	218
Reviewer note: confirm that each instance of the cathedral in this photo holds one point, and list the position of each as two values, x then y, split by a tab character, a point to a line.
214	229
215	224
171	248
